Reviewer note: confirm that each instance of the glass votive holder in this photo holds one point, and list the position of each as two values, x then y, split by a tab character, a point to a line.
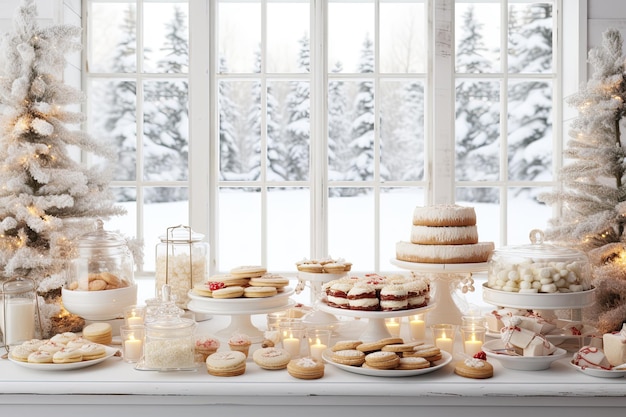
473	321
393	325
135	316
444	335
473	339
293	338
417	327
133	338
319	341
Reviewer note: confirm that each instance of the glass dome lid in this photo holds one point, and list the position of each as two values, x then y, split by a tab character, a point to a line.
101	238
538	248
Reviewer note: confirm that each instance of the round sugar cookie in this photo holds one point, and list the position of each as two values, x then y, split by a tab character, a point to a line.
91	351
67	355
350	357
382	360
413	363
345	345
271	358
474	368
98	333
305	368
228	363
40	357
21	353
268	280
259	292
248	271
228	292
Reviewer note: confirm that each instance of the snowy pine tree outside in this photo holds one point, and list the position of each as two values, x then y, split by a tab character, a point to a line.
350	133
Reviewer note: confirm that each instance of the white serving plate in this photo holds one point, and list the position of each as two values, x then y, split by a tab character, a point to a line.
521	363
546	301
441	268
599	373
393	373
65	366
240	304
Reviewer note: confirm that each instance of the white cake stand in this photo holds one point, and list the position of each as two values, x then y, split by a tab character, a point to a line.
376	328
240	311
318	317
447	278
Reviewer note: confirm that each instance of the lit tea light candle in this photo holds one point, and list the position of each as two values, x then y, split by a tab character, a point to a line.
134	320
472	346
417	329
393	326
317	349
444	342
292	345
133	349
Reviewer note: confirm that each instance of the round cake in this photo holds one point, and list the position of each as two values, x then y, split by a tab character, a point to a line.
444	215
444	235
444	254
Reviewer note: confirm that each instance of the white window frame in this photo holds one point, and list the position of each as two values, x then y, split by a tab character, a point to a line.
204	155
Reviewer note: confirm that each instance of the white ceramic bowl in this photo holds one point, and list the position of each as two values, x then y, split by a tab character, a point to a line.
99	305
521	363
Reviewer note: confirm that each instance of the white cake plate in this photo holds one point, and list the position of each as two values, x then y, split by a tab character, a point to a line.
376	328
240	311
447	277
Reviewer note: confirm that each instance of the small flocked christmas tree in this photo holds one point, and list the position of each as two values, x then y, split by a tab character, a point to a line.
593	194
47	198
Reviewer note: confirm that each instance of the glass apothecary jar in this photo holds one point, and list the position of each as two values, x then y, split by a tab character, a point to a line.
181	262
18	311
100	279
539	268
170	338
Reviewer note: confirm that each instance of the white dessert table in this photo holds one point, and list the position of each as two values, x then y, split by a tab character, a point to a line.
114	387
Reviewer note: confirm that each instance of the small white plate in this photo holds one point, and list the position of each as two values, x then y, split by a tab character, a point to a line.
521	363
393	373
599	373
65	366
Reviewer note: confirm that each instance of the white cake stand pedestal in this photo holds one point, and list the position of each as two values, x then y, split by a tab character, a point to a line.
317	317
240	311
445	281
376	328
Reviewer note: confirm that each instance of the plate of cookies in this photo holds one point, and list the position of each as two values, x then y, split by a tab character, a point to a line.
388	357
48	358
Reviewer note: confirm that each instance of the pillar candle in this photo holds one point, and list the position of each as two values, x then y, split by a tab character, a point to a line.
418	329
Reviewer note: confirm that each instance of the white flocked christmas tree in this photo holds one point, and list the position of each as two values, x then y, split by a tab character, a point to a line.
593	194
47	197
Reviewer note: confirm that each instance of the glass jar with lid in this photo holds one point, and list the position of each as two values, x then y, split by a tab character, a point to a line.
100	280
18	311
170	339
539	268
181	262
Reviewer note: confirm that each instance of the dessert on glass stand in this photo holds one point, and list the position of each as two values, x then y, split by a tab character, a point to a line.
244	291
444	247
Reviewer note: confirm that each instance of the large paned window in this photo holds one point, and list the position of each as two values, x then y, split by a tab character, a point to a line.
299	129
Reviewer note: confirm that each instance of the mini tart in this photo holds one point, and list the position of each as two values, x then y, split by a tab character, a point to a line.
474	368
305	368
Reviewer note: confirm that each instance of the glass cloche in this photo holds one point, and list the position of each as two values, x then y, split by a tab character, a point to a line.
538	268
100	280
